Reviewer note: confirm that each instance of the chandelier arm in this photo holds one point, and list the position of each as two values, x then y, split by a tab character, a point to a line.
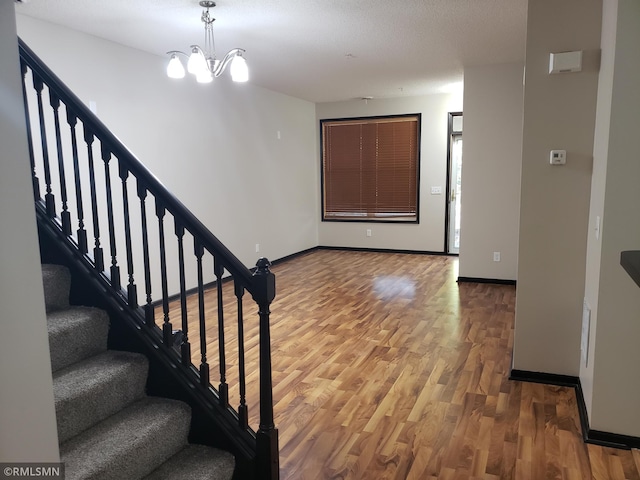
231	54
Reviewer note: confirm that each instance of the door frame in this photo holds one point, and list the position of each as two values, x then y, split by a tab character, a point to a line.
450	133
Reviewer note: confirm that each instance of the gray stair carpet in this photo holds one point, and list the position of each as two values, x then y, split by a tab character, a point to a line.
108	428
56	281
75	334
129	444
111	380
195	462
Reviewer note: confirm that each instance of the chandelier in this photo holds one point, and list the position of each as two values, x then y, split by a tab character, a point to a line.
203	62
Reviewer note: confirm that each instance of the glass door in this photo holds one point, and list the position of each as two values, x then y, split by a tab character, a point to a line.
454	186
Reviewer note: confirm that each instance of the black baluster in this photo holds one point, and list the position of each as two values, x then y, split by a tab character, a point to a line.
132	291
243	409
115	269
72	120
149	316
223	388
98	258
185	347
34	178
167	329
267	435
204	366
65	216
49	198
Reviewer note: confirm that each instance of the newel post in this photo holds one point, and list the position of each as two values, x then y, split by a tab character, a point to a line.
267	462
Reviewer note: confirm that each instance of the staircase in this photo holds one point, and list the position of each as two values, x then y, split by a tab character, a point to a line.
108	428
135	249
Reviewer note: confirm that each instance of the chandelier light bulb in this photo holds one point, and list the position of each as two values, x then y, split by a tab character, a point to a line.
238	69
197	64
204	77
175	69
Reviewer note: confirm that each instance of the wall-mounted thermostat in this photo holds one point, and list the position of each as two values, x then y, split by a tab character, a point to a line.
558	157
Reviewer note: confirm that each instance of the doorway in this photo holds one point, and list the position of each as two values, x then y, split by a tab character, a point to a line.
454	184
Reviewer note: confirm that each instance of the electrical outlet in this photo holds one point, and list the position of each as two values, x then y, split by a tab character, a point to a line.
257	247
368	232
496	256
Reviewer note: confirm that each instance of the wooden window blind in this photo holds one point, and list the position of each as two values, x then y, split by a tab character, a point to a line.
370	168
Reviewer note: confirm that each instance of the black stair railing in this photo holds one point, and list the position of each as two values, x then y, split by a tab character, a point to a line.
156	250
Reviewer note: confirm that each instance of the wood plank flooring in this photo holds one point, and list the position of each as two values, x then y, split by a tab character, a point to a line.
385	368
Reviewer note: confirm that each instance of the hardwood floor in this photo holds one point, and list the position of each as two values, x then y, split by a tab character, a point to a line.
385	368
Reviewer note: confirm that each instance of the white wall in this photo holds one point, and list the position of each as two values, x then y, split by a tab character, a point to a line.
615	337
428	235
559	113
27	417
492	157
214	146
598	179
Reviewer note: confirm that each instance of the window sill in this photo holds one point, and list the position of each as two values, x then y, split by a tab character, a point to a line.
380	219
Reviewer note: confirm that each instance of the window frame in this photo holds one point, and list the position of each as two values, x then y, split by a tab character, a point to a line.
371	119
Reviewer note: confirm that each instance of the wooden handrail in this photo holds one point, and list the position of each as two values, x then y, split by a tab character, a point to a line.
136	167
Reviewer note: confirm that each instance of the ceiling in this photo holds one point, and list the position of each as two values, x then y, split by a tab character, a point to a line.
318	50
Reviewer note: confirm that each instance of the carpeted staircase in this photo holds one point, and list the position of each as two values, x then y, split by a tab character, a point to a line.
107	427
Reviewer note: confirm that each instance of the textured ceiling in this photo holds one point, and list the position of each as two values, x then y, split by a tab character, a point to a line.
318	50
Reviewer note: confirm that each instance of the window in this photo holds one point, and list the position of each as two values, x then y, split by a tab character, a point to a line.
370	168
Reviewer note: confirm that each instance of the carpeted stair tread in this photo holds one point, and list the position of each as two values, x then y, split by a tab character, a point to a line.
76	333
56	281
196	462
93	389
130	444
